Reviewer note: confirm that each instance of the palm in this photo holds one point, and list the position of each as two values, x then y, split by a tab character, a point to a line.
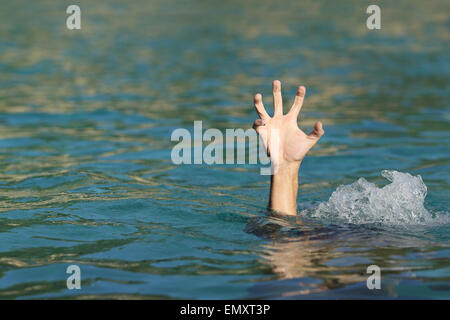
283	139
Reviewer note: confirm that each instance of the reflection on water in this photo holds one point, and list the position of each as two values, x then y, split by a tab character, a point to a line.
312	258
85	124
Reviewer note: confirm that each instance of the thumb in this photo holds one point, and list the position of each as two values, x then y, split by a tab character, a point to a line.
317	132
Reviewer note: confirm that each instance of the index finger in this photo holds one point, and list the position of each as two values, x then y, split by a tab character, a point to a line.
298	102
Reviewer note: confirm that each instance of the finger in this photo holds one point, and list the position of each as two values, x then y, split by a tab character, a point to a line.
298	102
260	110
260	127
258	123
317	132
277	100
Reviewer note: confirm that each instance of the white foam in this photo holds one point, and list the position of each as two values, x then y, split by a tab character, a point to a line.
400	202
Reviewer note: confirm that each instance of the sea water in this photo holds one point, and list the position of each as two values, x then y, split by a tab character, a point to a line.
87	179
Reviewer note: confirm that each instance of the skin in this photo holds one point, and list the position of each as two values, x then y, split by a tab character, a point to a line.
286	145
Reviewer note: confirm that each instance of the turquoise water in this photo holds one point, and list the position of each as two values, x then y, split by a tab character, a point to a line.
86	175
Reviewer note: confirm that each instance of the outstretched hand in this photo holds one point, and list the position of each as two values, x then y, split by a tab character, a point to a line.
286	145
284	141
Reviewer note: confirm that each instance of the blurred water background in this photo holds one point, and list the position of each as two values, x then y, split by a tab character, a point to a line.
86	175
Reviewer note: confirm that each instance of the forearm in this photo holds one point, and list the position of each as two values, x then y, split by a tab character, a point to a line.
284	189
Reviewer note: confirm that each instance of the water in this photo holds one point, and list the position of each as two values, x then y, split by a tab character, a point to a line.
398	203
86	176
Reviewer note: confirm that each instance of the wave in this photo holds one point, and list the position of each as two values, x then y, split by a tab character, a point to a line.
362	202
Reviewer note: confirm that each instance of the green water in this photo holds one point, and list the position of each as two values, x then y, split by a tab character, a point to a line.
86	174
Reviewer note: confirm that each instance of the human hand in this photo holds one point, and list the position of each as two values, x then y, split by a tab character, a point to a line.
284	141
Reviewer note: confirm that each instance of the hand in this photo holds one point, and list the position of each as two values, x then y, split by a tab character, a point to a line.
284	141
286	145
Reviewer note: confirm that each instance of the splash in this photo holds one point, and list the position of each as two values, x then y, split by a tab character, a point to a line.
400	202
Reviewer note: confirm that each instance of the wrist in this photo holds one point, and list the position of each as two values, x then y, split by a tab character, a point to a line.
284	188
287	170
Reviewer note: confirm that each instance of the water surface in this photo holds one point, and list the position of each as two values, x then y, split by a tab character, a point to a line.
86	176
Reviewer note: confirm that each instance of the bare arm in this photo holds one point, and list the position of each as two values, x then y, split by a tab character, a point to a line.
287	145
